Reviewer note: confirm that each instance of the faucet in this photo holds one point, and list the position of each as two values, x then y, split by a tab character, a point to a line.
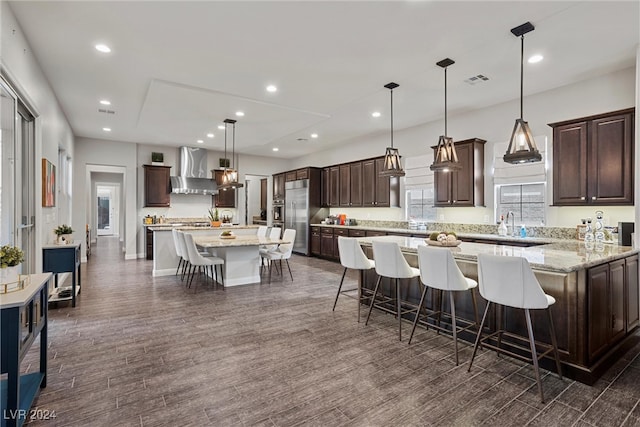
513	222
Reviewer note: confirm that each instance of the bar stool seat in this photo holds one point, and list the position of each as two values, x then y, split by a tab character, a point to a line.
510	282
438	270
390	263
352	257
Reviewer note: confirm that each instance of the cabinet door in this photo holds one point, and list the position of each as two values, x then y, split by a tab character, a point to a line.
302	173
345	185
384	186
610	169
599	309
325	187
334	186
278	186
149	241
356	184
442	188
157	188
631	292
570	164
316	243
369	180
326	245
616	286
290	176
462	181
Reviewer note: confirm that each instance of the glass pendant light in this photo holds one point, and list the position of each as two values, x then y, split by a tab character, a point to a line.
446	158
522	147
230	175
392	165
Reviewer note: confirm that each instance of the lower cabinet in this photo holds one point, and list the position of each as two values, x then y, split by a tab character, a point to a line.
326	242
316	241
631	292
606	306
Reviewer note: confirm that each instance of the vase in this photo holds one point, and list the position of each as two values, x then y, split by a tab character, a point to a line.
215	223
64	239
9	274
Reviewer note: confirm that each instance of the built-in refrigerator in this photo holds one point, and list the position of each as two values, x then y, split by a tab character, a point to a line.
302	208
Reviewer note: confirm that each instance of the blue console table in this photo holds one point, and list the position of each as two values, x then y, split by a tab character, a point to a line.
63	259
23	315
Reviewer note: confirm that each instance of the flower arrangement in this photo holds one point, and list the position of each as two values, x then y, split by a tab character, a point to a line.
63	229
10	256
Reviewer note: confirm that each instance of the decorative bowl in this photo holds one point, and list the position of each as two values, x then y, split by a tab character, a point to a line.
228	237
444	244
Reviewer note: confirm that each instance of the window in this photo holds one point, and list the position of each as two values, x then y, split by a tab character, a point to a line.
526	201
420	204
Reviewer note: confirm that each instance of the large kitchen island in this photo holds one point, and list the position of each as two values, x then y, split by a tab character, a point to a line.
597	309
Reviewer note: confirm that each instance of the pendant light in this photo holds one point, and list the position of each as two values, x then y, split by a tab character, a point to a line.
392	165
230	175
446	158
522	147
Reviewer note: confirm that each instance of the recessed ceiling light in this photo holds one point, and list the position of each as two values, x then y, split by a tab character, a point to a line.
221	127
275	148
535	58
199	141
105	102
239	114
272	88
314	135
106	129
375	114
103	48
210	135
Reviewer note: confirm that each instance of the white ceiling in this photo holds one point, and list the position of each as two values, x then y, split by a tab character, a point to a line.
177	69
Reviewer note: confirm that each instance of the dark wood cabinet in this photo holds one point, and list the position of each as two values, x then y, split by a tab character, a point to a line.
290	176
225	198
326	242
593	160
606	306
278	186
149	243
334	186
345	184
157	189
263	194
378	191
631	292
466	186
316	241
355	186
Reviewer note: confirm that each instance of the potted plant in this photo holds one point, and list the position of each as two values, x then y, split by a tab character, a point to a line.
63	234
214	218
10	259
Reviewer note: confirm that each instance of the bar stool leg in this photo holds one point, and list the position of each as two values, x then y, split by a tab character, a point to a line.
399	310
475	346
339	289
373	299
500	323
475	307
554	341
415	321
534	353
453	324
359	292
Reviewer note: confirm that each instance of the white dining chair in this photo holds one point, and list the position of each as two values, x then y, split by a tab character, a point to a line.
197	260
282	252
352	257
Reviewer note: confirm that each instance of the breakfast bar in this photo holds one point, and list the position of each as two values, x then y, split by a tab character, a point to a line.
597	309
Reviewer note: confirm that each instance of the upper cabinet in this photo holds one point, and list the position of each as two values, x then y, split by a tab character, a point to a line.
466	186
157	188
224	198
359	184
593	160
278	186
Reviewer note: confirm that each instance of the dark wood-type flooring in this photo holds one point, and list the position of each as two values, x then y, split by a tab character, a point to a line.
144	351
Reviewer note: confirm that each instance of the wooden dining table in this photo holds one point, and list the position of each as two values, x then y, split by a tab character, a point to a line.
240	254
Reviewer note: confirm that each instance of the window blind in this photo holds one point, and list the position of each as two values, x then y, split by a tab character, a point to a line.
418	174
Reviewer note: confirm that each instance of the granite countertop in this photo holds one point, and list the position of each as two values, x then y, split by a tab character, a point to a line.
219	242
559	257
166	227
426	233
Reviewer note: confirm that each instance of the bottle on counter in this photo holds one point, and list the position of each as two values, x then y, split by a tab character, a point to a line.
502	228
588	235
523	231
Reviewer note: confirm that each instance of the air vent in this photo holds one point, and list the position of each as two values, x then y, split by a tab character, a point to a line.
301	139
476	79
102	110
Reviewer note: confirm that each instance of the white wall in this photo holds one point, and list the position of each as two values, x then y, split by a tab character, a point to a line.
494	124
52	132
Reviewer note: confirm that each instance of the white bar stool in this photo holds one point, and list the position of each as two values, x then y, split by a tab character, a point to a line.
390	263
438	270
510	282
197	260
352	257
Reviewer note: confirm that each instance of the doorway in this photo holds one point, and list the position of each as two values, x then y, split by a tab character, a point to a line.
107	209
255	200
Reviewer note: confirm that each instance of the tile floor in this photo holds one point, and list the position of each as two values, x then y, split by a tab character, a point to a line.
143	351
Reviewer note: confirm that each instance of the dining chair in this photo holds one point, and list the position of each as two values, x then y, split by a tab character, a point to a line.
197	260
282	251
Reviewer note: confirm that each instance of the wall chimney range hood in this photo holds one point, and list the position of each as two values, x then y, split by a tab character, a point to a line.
193	173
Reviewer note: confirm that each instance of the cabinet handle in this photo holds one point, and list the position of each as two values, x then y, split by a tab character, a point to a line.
582	198
593	197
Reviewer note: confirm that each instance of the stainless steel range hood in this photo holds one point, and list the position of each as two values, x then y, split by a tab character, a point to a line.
193	173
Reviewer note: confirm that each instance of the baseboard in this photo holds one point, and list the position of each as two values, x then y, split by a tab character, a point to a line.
165	272
130	257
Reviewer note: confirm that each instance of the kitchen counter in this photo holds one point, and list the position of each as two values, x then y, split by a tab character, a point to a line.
186	227
559	256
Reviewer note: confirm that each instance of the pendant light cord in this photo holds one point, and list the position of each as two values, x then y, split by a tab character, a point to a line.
391	118
521	74
445	101
233	152
225	146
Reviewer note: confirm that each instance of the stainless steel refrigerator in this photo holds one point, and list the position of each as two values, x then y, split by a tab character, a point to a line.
299	211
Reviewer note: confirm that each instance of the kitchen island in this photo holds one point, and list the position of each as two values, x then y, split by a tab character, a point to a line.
597	308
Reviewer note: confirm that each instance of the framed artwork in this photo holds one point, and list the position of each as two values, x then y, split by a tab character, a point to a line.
48	183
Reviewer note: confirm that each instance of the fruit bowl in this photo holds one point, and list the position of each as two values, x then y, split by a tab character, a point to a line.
227	236
445	244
